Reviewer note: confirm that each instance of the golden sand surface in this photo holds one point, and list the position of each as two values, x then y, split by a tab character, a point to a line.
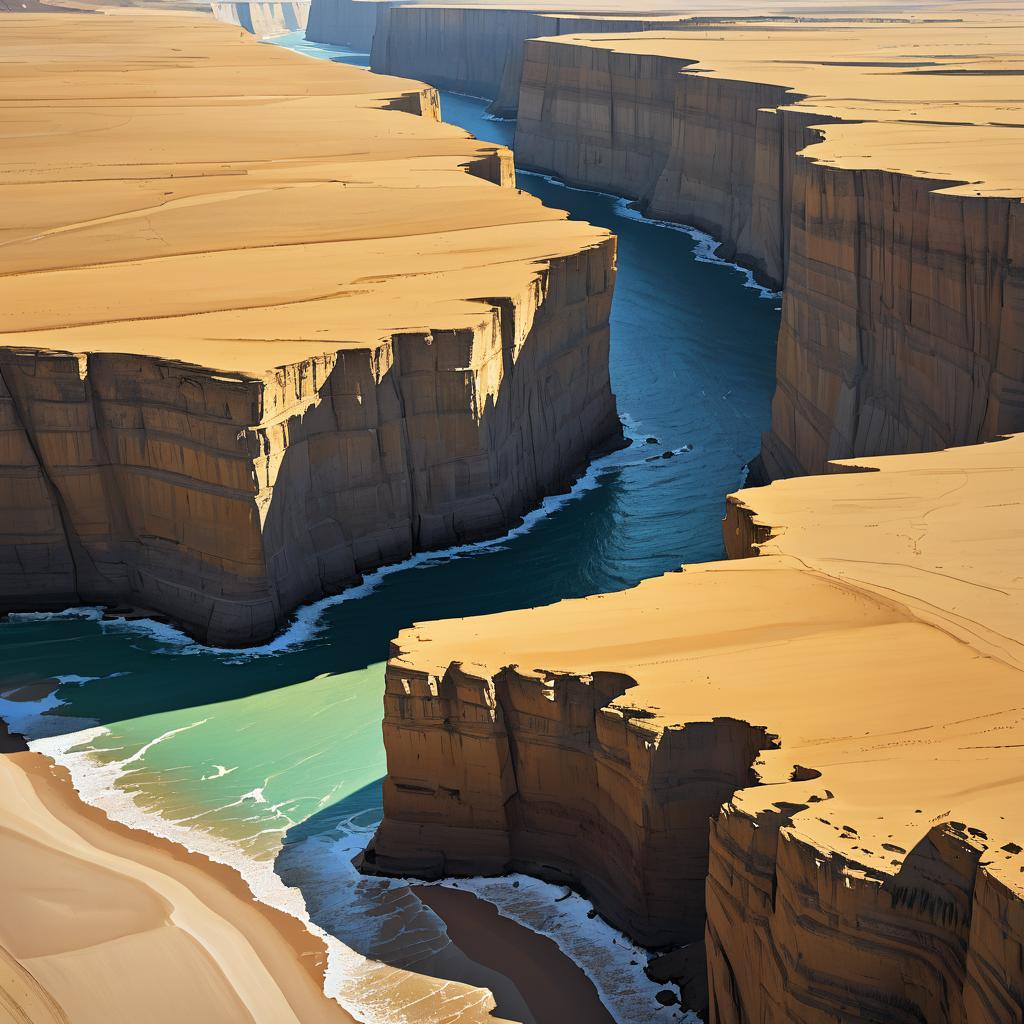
937	98
239	206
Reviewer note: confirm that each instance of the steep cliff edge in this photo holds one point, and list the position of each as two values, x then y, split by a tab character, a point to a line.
264	17
245	358
477	50
810	757
903	313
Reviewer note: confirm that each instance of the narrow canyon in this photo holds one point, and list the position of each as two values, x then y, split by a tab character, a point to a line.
292	369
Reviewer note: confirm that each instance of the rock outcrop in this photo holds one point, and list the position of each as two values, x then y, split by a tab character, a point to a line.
811	758
345	22
264	17
477	50
245	358
903	315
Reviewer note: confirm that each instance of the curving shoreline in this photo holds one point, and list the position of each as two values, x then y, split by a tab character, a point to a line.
189	928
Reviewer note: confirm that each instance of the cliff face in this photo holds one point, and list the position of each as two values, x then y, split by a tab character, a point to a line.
713	153
533	771
223	502
903	311
270	18
474	50
347	385
903	322
344	22
771	752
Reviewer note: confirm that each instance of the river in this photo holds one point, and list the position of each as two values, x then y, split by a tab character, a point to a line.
271	759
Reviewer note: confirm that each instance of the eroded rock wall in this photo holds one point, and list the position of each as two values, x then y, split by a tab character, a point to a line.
266	18
903	320
870	867
795	935
903	312
533	772
344	22
222	501
713	153
473	50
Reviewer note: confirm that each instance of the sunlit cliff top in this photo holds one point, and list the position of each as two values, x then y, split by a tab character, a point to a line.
937	99
182	190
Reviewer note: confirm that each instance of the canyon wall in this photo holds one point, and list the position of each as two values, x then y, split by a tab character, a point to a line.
771	753
312	355
264	17
472	50
903	312
532	771
224	501
345	22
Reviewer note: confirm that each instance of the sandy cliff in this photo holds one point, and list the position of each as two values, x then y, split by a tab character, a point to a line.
245	357
810	757
477	50
345	22
269	18
871	169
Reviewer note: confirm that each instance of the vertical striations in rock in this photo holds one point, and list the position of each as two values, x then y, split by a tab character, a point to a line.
468	49
313	354
894	225
534	772
263	17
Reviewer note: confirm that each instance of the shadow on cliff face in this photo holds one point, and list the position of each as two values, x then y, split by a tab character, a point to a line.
379	462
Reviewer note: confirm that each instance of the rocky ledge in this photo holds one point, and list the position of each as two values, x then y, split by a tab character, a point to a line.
810	759
267	325
871	169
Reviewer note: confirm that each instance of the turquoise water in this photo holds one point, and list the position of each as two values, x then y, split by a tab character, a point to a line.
245	753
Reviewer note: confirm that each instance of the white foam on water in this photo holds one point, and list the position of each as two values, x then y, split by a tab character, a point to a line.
75	680
162	738
28	717
354	913
89	614
307	621
705	250
611	961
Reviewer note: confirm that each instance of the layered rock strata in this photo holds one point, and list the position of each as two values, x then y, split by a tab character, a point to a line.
345	22
894	224
477	50
810	757
268	18
246	357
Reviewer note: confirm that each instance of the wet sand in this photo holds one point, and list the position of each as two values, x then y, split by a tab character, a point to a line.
102	922
554	988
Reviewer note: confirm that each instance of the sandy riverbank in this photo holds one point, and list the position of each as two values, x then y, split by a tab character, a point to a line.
103	923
